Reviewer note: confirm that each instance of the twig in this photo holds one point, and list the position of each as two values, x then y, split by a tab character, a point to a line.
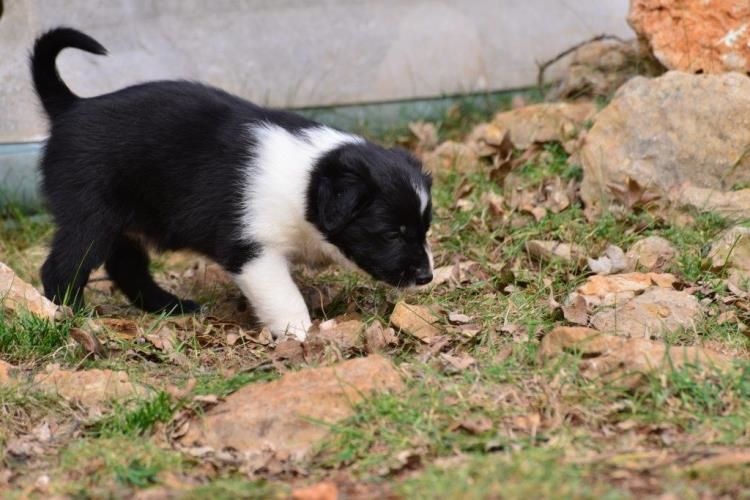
546	64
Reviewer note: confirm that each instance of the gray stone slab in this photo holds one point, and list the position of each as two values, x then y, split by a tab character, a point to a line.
295	53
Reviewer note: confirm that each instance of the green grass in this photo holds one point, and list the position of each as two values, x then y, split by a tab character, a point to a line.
27	337
534	473
126	420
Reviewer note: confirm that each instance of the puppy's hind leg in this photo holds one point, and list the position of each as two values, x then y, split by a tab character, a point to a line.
127	266
266	282
74	254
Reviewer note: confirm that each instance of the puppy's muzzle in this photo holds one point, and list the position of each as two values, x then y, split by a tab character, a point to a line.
424	275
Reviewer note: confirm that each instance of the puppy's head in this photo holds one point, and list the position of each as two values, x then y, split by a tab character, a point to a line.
374	205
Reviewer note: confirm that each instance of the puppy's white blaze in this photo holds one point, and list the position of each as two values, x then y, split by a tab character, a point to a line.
266	282
424	197
428	250
276	189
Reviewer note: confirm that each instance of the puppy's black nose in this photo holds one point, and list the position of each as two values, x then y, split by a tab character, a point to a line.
424	276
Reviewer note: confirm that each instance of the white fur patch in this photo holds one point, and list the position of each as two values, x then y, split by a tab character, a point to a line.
266	282
276	189
424	197
428	250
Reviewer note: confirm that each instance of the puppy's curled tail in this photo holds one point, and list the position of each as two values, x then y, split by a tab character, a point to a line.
56	97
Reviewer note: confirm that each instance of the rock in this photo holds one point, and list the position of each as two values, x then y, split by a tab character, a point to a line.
565	338
732	250
731	204
551	250
611	262
546	122
291	414
653	253
599	68
696	36
608	290
90	388
650	315
451	156
18	296
320	491
624	360
418	321
667	131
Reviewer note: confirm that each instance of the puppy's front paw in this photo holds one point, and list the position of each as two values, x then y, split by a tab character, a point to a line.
296	328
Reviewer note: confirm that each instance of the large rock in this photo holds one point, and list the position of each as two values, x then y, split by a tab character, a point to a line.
732	250
291	414
91	388
625	361
650	315
18	296
667	132
697	36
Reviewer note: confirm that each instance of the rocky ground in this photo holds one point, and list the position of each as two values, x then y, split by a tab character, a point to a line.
586	334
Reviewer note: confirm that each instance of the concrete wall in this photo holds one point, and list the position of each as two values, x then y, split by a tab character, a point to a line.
294	53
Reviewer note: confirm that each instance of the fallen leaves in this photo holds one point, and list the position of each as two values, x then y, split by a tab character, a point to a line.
552	250
417	321
611	262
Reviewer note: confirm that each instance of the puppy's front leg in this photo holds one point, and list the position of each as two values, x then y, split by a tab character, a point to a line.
267	283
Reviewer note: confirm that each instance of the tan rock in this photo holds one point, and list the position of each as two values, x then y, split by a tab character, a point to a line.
320	491
732	250
666	132
696	36
649	315
608	290
565	338
18	296
731	204
550	250
625	360
653	253
545	122
418	321
89	387
291	414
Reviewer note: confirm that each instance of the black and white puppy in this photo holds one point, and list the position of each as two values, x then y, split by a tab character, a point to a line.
181	165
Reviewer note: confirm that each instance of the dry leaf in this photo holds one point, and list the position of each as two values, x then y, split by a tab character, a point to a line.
418	321
576	311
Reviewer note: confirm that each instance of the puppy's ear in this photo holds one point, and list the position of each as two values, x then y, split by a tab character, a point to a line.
342	194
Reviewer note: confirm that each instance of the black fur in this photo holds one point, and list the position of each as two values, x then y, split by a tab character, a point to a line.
163	162
361	198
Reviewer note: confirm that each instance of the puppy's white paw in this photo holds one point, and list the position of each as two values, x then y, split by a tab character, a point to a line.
296	328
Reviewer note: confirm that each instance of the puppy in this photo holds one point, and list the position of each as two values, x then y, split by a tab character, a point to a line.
181	165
